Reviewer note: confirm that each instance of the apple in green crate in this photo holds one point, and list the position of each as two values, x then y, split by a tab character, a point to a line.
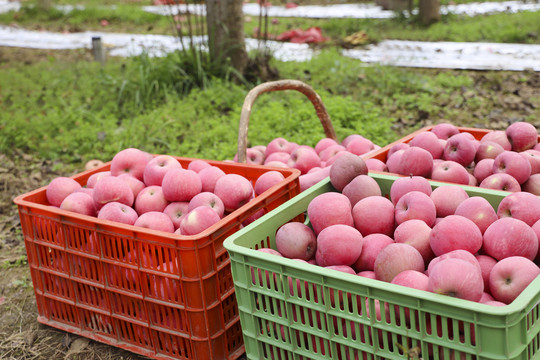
59	188
501	181
447	199
510	237
532	185
338	244
455	232
372	245
513	164
416	233
415	205
520	205
155	169
534	159
483	169
329	209
395	258
150	198
116	211
403	185
510	276
450	171
345	168
295	240
374	215
361	187
478	210
457	278
486	263
454	254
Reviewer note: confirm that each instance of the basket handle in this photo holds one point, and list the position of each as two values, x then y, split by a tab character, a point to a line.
276	86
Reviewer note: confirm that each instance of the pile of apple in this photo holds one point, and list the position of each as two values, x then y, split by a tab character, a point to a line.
442	240
155	192
313	162
506	160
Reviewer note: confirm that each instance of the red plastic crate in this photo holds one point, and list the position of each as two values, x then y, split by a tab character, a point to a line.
382	153
154	293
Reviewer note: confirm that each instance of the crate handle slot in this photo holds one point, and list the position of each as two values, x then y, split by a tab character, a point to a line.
279	85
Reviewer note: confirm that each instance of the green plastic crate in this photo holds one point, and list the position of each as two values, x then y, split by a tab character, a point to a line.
281	321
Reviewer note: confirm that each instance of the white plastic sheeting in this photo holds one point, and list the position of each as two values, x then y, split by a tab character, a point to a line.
358	11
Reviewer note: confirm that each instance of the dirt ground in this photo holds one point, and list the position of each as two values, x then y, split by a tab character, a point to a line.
23	338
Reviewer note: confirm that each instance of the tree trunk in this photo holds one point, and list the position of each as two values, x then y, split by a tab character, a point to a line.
225	22
429	11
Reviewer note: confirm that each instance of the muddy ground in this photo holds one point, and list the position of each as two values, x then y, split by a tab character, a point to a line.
23	338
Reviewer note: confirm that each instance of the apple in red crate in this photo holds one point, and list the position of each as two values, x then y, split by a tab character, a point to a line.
197	165
181	185
450	171
198	220
510	237
207	199
415	205
156	169
130	160
510	276
499	137
59	188
520	205
209	177
403	185
280	156
296	240
92	164
522	136
415	161
338	245
267	180
234	190
415	233
488	150
447	198
360	146
150	198
176	212
514	164
395	258
347	167
111	188
393	162
304	158
278	144
457	278
374	215
361	187
455	232
445	130
329	208
534	159
95	177
135	184
331	151
376	165
501	181
460	148
372	245
324	143
478	210
253	156
80	203
116	211
430	142
155	220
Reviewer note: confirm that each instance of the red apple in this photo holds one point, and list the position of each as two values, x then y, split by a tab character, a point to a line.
522	136
111	189
209	177
488	150
135	184
403	185
460	148
447	198
372	245
510	276
483	169
514	164
415	233
338	245
499	137
430	142
208	199
176	212
520	205
150	198
130	160
304	158
457	278
59	188
181	185
415	205
374	214
155	220
115	211
455	232
361	187
395	258
345	169
501	181
80	203
198	220
510	237
415	161
450	171
234	190
295	240
329	209
156	169
267	180
478	210
445	130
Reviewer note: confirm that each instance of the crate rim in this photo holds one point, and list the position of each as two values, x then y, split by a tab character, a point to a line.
20	200
519	304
